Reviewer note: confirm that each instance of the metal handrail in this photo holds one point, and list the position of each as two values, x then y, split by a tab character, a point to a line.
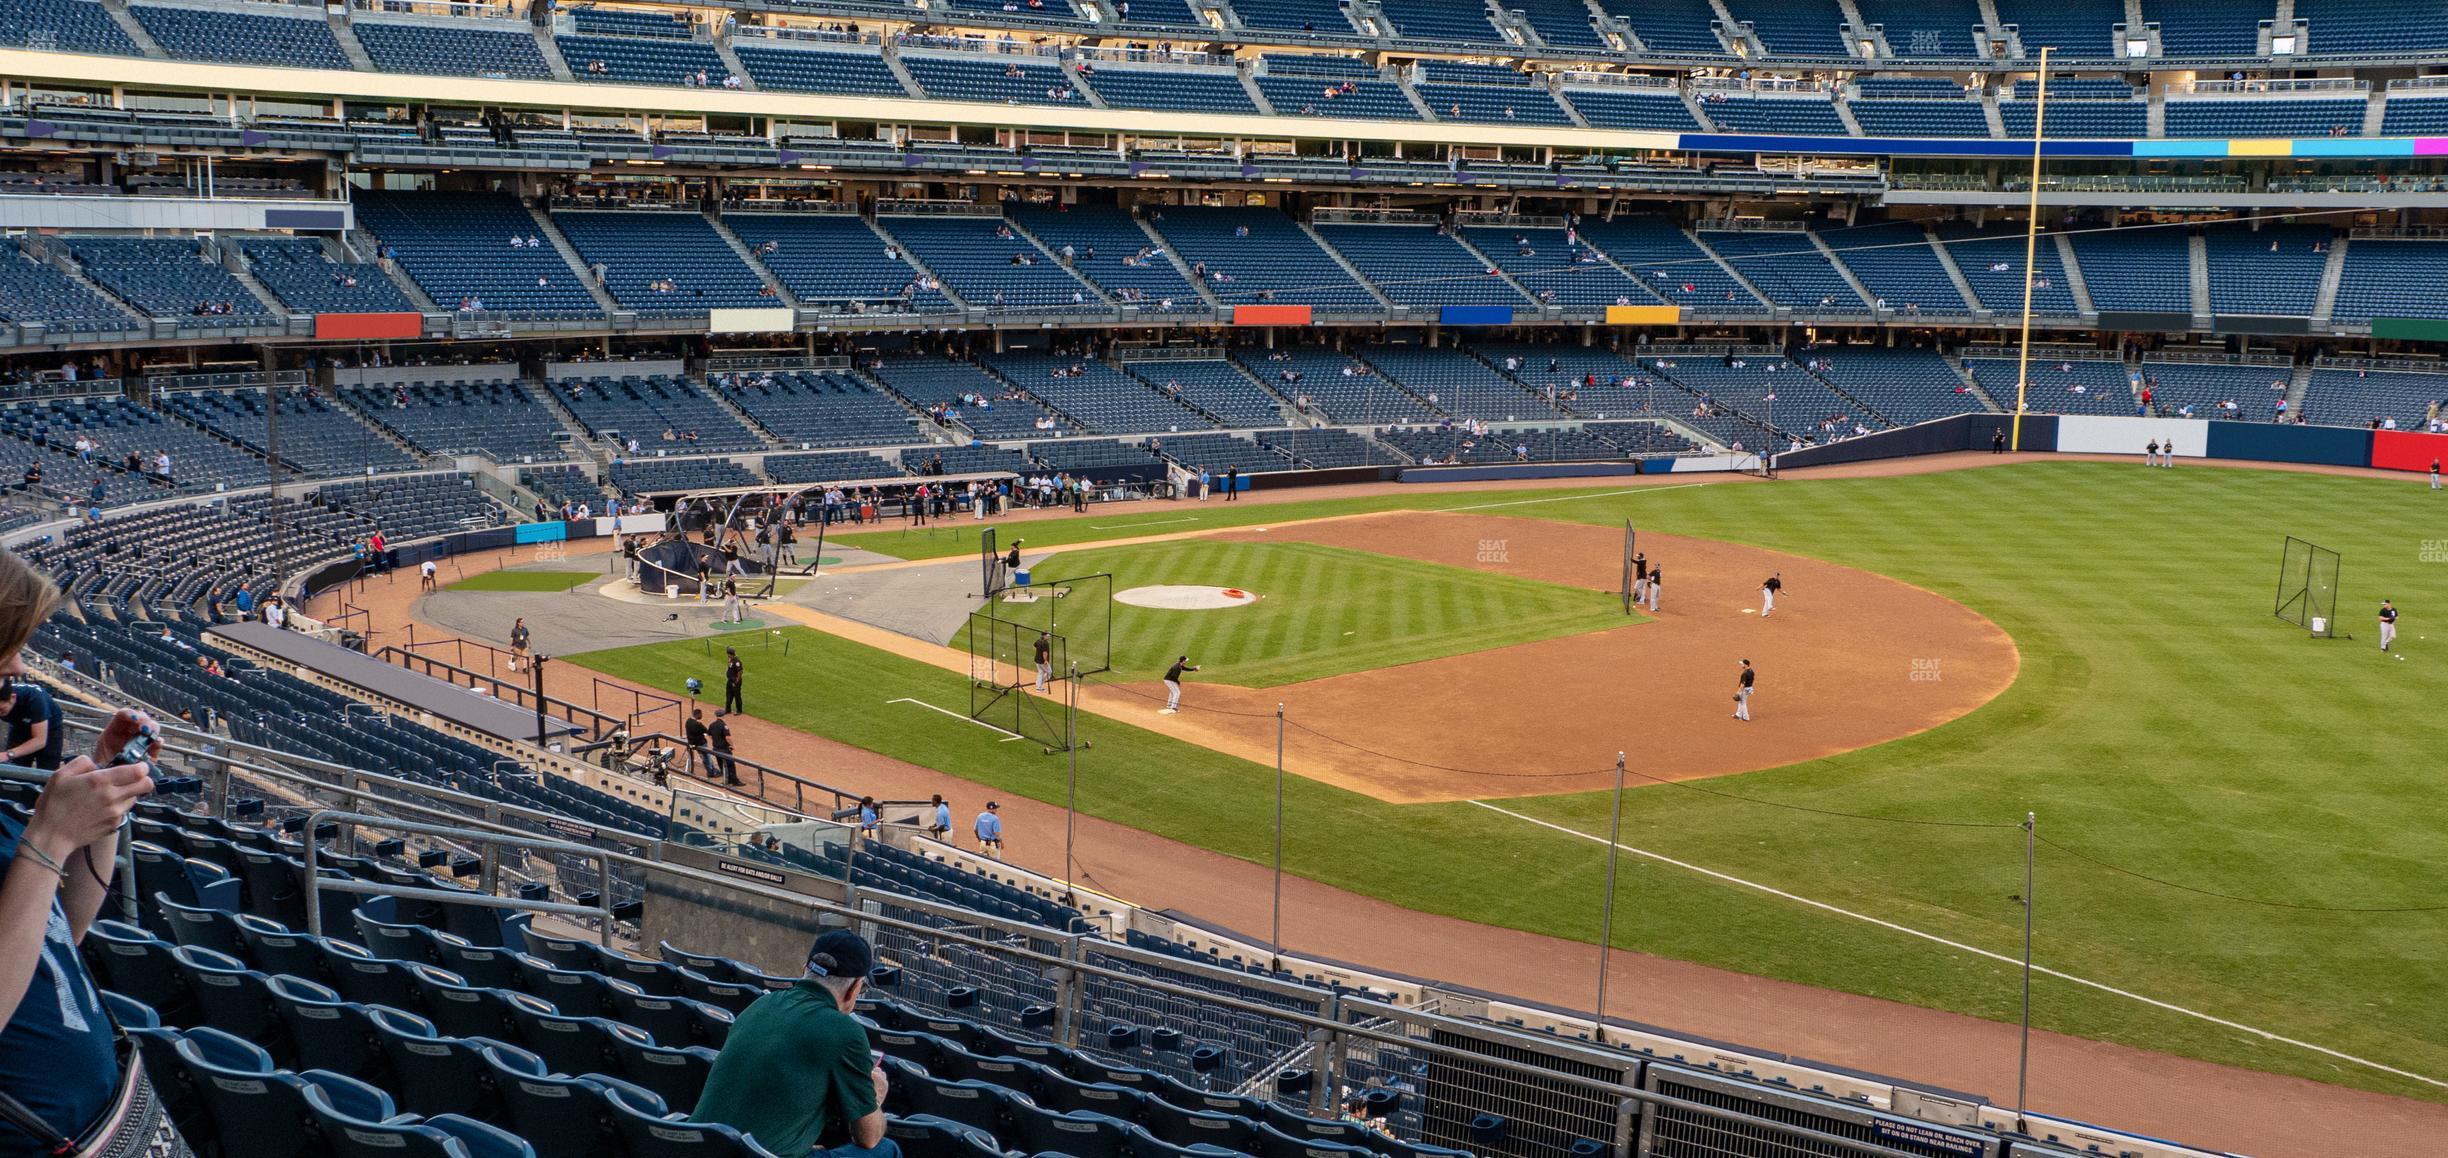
1331	1028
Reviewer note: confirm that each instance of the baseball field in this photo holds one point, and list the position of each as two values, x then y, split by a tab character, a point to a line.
2236	819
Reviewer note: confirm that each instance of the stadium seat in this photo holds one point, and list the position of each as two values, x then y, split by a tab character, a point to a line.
644	1132
259	1111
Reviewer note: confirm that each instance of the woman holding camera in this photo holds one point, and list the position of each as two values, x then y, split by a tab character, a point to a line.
69	1084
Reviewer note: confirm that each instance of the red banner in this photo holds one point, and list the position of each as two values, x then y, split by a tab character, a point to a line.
359	327
2407	449
1270	315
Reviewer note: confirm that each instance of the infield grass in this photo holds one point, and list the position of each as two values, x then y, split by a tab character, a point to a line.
2284	789
508	580
1322	611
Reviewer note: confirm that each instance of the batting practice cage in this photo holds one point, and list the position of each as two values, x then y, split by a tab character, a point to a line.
2308	586
1076	618
1626	589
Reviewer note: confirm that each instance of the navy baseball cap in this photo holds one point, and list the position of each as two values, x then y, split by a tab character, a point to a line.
840	953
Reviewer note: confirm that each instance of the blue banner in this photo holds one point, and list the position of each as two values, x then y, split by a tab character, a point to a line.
552	532
1475	315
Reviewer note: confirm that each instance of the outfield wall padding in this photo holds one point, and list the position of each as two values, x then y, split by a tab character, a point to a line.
2268	442
1944	436
2407	449
1498	471
2092	434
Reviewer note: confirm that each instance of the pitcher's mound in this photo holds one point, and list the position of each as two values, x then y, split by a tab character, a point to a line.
1183	597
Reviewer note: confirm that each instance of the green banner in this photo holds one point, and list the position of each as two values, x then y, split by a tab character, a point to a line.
2411	329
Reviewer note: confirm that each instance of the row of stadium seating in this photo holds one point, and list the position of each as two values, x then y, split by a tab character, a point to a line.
428	1027
1911	30
215	437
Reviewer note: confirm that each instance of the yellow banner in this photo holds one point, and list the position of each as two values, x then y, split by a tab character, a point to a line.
1644	315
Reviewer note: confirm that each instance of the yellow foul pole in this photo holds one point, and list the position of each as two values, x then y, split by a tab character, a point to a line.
2031	247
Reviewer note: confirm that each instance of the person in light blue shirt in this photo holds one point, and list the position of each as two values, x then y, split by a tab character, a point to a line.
990	830
939	823
868	817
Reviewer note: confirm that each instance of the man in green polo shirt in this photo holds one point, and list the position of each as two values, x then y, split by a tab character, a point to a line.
795	1072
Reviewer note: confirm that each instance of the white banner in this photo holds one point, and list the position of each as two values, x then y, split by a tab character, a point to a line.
650	523
776	320
2088	434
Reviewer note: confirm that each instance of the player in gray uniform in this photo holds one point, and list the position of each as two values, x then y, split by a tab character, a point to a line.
2388	624
1742	694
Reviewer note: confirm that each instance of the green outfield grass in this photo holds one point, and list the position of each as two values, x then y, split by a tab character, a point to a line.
1323	611
2163	721
526	581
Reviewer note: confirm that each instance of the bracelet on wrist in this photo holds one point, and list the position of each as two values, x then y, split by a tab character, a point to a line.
45	860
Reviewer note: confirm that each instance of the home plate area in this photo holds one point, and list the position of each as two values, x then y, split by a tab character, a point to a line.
1186	597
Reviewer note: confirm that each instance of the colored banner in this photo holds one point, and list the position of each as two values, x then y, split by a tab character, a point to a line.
1644	315
2096	434
552	532
2407	449
1475	315
306	219
1270	315
2411	329
2271	442
360	327
770	320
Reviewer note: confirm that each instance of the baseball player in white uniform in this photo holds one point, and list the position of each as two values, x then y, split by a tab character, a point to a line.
1768	592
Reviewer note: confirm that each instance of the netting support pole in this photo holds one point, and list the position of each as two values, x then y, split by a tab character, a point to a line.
2031	837
1606	917
1275	931
1071	791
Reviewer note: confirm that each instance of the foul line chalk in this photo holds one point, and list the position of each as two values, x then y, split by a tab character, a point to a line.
1008	735
1907	930
1572	498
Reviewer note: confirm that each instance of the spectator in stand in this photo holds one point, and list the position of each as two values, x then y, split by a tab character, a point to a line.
795	1073
60	1058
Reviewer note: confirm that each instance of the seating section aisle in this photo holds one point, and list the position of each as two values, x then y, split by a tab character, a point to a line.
2137	269
1322	381
835	262
1418	265
67	25
955	391
2391	278
844	72
1456	383
2273	270
316	436
1217	387
306	279
2209	388
1108	248
1904	386
1677	270
1788	268
1253	256
663	263
1895	263
818	408
2359	397
1632	108
662	414
1555	268
170	277
31	291
2059	385
1991	261
219	34
1179	89
456	247
1102	399
501	49
989	265
500	419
